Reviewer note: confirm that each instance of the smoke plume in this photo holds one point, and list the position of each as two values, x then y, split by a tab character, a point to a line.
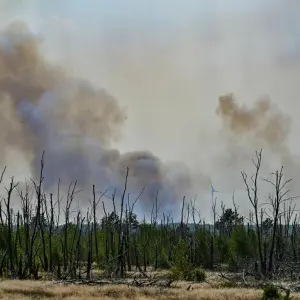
166	68
42	108
262	126
264	122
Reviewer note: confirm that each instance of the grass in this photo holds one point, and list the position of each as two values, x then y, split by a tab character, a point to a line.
25	290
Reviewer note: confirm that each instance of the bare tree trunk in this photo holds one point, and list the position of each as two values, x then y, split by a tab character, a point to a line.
70	198
51	225
276	202
78	247
12	186
120	268
90	250
45	258
127	238
95	225
38	190
253	198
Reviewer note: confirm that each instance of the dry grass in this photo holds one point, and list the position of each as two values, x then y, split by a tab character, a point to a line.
25	290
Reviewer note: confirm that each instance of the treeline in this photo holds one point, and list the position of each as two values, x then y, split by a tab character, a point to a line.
33	240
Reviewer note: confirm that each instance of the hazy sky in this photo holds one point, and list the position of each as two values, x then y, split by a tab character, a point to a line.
168	62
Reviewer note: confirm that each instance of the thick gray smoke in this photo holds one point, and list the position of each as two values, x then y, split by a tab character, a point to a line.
167	67
42	108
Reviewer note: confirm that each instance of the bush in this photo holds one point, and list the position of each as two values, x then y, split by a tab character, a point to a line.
162	262
183	268
175	274
197	274
272	293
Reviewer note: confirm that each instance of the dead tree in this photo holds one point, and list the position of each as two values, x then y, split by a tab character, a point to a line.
120	267
90	246
37	219
94	209
95	224
70	198
78	249
276	200
252	192
51	225
27	214
7	202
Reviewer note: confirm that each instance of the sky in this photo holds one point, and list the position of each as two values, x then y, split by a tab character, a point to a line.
167	62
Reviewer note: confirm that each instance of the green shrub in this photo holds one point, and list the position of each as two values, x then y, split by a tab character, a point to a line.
162	262
183	268
197	274
175	274
272	293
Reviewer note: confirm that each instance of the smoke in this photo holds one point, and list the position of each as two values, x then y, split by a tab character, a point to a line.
262	126
42	108
264	122
163	70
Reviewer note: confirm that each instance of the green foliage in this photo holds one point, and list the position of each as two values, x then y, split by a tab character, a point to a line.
182	265
203	247
239	248
199	275
272	293
196	274
162	261
181	254
228	220
183	268
232	262
240	243
176	274
223	248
